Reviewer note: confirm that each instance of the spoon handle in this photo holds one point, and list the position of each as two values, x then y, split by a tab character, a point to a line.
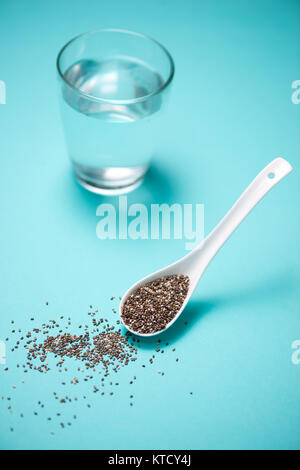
260	186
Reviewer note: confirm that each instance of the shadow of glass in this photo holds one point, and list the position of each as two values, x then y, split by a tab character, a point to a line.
156	187
80	204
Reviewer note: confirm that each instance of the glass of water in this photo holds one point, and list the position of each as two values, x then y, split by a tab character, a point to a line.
113	86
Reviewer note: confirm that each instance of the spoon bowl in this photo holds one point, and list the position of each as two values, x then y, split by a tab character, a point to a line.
194	263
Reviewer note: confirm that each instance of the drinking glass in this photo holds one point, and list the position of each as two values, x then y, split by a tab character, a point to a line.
113	86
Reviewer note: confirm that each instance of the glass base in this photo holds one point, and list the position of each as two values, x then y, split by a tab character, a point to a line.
109	181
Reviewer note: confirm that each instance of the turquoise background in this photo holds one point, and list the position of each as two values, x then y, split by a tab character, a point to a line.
230	113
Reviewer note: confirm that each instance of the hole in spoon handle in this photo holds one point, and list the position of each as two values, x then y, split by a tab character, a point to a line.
276	170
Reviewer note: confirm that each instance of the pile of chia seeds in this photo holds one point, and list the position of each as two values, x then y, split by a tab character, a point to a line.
152	306
108	348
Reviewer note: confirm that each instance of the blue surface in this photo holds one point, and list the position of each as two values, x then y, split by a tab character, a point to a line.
230	113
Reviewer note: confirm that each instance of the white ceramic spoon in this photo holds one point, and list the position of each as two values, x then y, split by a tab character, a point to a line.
195	262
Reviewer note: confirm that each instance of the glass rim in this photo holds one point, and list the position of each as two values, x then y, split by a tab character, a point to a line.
112	101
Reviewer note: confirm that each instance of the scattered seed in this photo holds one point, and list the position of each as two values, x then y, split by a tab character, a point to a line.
101	348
